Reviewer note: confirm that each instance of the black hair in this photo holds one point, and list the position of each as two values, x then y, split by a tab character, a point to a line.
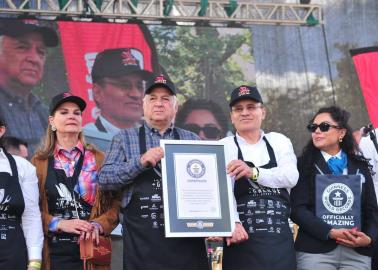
2	121
12	143
202	104
348	144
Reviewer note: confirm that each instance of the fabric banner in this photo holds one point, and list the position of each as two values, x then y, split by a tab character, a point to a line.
366	64
338	200
82	41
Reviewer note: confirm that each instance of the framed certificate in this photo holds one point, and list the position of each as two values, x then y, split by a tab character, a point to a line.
197	192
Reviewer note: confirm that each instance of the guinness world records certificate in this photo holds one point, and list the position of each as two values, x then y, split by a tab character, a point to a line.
197	192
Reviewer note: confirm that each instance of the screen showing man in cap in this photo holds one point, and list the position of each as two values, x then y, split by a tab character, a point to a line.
132	165
264	168
22	62
118	85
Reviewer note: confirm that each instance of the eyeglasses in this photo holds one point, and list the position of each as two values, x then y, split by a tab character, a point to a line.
210	132
125	84
249	108
323	126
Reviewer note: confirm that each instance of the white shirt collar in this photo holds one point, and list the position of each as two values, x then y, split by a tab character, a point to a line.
243	141
2	154
327	156
109	126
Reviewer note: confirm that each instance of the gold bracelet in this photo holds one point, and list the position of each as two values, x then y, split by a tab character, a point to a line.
35	264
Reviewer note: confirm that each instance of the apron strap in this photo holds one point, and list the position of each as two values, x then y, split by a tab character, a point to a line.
142	138
143	145
12	163
272	157
71	181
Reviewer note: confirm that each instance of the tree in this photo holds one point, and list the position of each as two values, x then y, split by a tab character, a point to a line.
200	60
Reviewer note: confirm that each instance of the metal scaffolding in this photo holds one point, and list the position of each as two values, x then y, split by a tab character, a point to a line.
155	11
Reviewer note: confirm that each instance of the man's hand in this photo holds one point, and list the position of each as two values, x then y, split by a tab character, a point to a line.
238	235
152	157
239	168
353	238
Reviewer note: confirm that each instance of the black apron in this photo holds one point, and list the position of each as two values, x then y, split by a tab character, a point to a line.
264	213
13	253
145	244
63	247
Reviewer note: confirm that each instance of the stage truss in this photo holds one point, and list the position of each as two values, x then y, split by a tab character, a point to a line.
243	13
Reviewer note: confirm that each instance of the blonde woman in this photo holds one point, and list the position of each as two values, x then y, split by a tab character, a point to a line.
71	204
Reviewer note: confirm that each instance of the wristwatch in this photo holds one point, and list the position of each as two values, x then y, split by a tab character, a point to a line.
255	174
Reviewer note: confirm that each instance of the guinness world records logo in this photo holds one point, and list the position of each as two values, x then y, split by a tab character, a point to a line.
195	168
338	198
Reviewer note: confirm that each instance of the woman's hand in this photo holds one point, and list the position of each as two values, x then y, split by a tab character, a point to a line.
337	233
238	235
94	234
353	238
76	226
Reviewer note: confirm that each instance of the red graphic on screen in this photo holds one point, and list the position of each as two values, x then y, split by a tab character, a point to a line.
366	64
82	41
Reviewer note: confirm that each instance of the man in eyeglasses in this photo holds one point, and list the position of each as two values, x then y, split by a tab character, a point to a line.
203	117
264	168
118	77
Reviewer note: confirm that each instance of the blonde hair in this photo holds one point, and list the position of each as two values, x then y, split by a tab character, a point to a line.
48	143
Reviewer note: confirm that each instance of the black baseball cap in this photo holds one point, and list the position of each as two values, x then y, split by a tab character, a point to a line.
114	63
17	28
245	92
160	81
66	97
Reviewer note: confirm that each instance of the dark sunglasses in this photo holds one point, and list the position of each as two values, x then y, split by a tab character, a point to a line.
323	126
210	132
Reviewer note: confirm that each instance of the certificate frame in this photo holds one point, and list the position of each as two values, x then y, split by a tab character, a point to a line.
181	176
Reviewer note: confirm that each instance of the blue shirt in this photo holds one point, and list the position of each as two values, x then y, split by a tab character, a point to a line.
122	162
25	118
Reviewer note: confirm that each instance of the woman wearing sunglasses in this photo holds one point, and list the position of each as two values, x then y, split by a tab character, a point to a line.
334	189
203	117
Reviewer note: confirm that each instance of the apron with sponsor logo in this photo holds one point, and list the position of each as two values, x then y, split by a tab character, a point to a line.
65	203
145	244
264	213
13	253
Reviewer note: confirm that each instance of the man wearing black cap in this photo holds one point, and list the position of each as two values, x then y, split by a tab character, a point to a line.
22	61
132	164
118	77
264	168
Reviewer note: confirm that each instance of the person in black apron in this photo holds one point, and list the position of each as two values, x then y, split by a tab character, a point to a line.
133	164
331	155
18	240
264	167
71	204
